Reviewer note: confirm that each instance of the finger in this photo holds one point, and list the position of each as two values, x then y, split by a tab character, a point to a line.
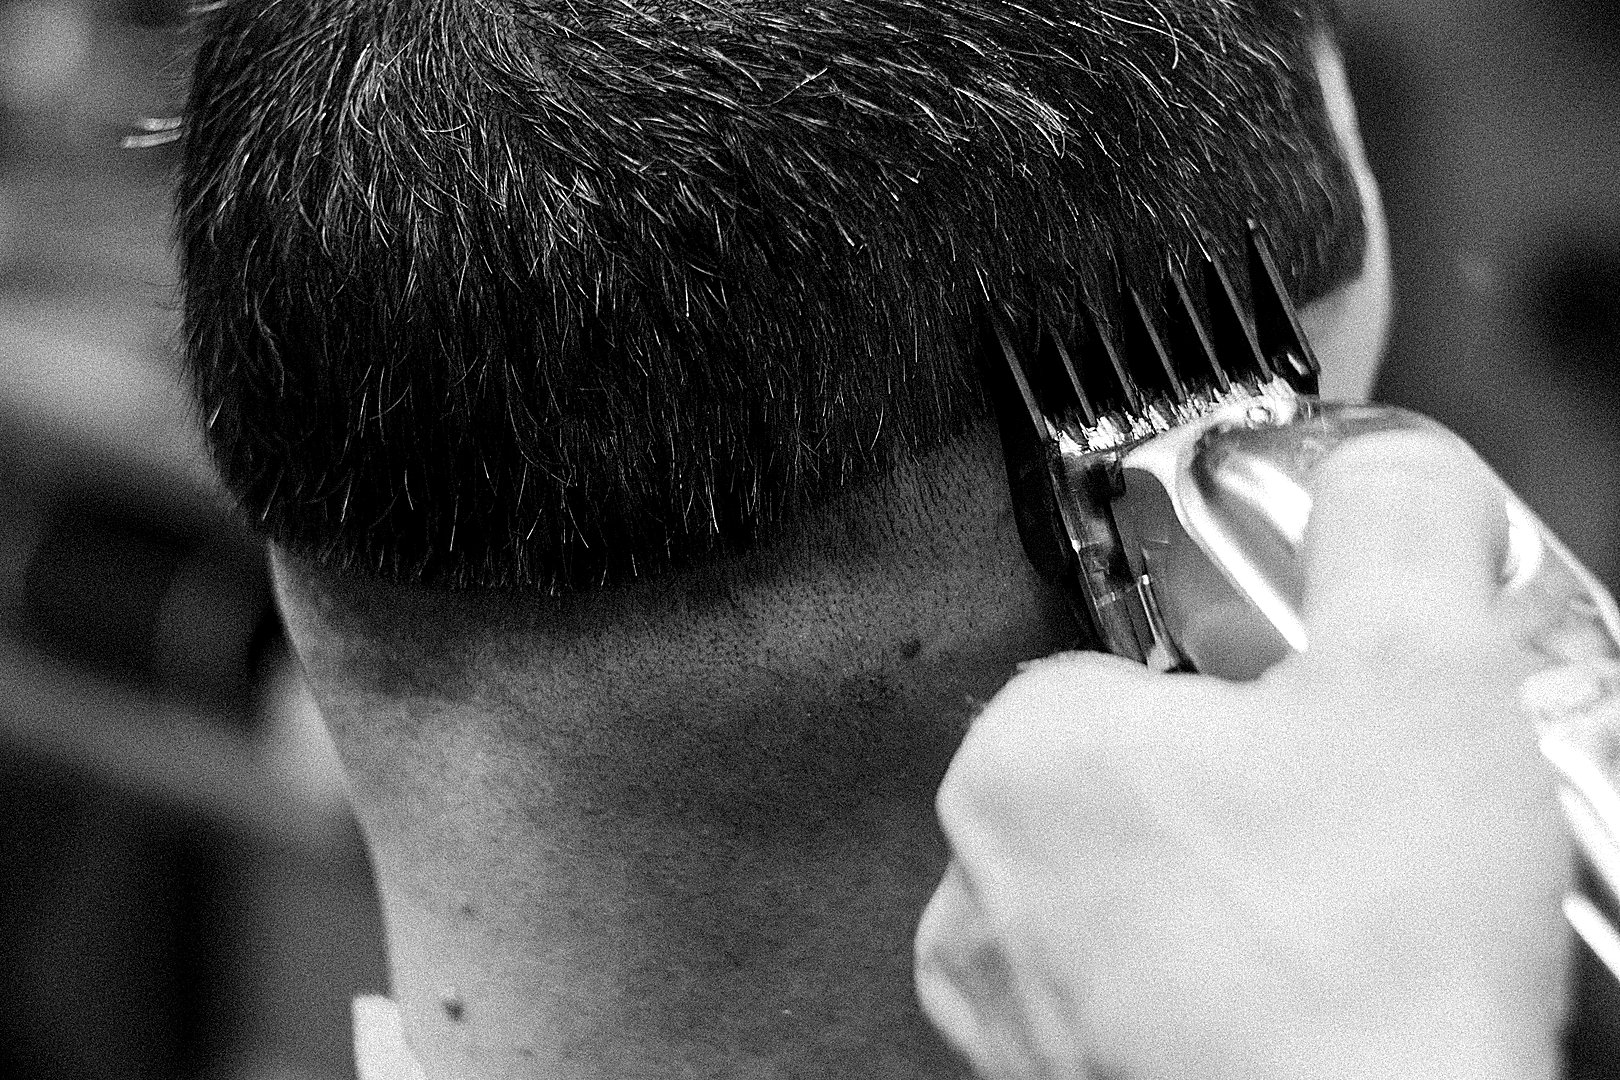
1029	744
964	983
1405	544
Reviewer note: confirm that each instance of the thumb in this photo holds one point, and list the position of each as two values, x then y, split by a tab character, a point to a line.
1405	544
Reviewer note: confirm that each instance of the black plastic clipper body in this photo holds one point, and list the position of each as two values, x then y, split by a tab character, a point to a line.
1068	410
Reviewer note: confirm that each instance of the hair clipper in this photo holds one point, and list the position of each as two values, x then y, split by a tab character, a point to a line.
1162	470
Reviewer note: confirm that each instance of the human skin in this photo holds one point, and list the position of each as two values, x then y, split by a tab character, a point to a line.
1349	868
685	827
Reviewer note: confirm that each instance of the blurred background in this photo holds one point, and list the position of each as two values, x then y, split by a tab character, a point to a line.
182	892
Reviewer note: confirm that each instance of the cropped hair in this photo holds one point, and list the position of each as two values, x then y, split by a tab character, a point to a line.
548	294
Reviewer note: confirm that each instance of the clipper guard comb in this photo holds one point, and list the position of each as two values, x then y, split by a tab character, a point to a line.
1071	410
1161	469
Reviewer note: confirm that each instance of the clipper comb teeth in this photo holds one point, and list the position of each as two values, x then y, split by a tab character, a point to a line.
1157	369
1069	405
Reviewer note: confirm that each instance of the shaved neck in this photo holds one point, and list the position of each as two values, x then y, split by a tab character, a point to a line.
682	827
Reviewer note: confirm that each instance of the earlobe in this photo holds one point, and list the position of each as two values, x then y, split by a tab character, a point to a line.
1348	327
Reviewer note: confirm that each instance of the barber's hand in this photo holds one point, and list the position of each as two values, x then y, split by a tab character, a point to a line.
1351	867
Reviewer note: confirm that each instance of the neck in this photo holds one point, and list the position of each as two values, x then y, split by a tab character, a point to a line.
683	829
716	948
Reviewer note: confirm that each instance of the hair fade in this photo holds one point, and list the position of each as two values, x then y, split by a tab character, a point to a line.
504	292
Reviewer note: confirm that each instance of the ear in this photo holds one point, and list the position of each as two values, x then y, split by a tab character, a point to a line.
1348	327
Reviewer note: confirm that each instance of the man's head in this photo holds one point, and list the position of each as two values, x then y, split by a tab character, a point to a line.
601	377
539	294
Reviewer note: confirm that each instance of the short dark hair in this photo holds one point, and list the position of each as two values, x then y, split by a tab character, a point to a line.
514	292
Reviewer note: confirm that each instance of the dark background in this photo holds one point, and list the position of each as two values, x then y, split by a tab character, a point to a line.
182	892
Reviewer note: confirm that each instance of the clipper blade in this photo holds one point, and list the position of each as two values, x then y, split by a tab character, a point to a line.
1069	404
1073	412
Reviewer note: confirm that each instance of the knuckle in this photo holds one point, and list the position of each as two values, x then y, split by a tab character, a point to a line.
1054	688
1400	453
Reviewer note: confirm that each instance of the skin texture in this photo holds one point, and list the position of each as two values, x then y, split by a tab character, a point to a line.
684	828
1148	882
